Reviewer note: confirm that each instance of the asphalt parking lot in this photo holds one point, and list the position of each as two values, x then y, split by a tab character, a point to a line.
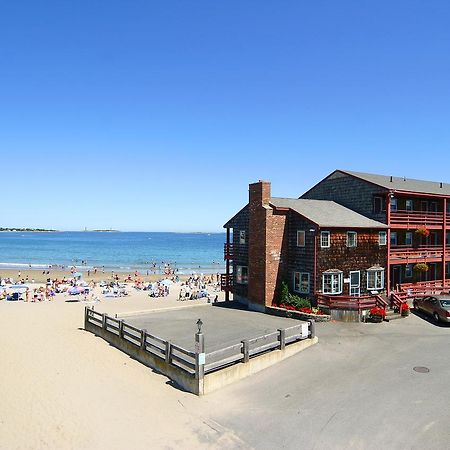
364	386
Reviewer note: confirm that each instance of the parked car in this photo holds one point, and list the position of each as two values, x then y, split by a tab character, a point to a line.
437	306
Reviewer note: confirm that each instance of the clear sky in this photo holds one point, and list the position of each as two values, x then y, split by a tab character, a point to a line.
155	115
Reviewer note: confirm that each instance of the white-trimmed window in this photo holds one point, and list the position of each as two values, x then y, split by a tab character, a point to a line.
408	271
393	238
242	237
242	274
408	238
300	238
352	238
332	282
375	279
324	239
382	238
409	205
393	204
301	282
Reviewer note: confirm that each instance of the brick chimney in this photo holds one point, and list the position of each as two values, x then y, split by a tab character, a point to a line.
267	237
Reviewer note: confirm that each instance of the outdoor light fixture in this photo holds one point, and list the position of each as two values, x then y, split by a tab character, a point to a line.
199	325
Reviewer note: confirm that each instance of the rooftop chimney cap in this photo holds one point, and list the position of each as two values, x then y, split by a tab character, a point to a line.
391	179
440	184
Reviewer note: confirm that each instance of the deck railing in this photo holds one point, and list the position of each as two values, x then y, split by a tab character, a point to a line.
191	365
351	302
408	290
228	251
404	253
226	282
414	218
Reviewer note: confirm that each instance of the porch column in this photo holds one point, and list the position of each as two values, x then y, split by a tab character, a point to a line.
227	270
444	235
388	259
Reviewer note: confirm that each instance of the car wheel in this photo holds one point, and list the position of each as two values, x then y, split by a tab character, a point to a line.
416	306
436	317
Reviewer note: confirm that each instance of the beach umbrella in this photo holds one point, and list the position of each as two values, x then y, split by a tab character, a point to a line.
75	290
18	286
166	282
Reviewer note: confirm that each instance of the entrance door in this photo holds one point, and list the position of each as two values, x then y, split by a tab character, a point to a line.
396	277
355	280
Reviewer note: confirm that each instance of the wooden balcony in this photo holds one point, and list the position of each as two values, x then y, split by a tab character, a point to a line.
405	254
413	219
228	252
226	282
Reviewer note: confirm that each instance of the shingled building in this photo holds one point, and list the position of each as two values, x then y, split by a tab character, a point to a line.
352	234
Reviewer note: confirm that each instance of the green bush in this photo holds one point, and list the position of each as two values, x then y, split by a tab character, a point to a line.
292	299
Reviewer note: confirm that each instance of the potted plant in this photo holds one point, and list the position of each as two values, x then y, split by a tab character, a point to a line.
421	267
404	309
422	232
377	314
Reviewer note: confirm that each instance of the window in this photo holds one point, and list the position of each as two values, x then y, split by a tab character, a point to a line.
375	279
447	238
424	205
433	206
242	237
351	238
408	271
324	239
301	282
447	269
378	204
393	204
408	238
393	238
332	282
382	238
409	205
242	274
448	206
300	238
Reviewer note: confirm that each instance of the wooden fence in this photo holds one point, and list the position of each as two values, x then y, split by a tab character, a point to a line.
197	364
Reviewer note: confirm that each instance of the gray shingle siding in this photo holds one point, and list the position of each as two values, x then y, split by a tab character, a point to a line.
350	192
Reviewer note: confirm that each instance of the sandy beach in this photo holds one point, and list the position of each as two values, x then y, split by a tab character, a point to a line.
64	388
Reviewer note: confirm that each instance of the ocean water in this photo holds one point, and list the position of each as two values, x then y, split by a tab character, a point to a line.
119	251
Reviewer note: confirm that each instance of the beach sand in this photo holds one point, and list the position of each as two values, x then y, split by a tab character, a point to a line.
64	388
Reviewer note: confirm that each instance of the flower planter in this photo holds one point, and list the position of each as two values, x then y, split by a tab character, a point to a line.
293	314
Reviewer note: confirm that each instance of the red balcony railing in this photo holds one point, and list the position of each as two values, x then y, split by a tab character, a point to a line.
415	218
404	253
228	252
226	282
350	303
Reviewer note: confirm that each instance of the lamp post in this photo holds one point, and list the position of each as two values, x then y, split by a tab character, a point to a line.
200	356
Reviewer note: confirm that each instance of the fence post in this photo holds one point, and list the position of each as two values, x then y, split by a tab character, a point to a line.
121	328
199	356
104	316
282	338
143	339
168	352
312	328
245	350
86	315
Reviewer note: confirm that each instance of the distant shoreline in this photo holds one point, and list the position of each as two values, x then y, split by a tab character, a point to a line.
27	230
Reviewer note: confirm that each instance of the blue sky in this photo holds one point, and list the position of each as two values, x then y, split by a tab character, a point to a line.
145	115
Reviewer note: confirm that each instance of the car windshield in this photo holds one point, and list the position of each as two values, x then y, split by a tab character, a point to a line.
445	303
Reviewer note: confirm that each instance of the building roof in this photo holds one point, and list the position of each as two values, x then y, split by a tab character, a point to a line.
403	183
326	213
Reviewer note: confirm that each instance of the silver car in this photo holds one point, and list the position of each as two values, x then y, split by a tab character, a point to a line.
437	306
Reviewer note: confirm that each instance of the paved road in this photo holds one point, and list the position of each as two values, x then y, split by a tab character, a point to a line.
356	389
